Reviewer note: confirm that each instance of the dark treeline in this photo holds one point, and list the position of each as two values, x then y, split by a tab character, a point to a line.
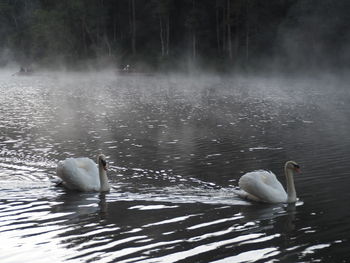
176	34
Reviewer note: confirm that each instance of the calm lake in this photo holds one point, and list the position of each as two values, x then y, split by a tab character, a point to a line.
176	146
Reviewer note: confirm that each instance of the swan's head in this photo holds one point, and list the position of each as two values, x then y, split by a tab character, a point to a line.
293	166
101	160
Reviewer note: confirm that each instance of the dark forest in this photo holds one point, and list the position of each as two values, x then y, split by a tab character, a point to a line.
219	35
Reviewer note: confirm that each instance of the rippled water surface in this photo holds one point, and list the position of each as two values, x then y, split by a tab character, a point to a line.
177	146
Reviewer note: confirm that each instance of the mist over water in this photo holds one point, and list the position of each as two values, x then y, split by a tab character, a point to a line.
177	145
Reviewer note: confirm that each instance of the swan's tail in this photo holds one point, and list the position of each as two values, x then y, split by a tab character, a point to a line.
57	182
59	169
244	195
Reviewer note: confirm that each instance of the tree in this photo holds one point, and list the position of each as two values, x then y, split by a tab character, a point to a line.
192	23
133	26
221	31
162	9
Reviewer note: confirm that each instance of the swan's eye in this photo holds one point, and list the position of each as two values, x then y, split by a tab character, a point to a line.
104	163
296	166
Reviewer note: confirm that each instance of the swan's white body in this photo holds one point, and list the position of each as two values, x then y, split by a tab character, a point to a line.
82	174
263	186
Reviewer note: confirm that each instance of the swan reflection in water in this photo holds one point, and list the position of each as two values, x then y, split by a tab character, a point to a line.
80	206
277	216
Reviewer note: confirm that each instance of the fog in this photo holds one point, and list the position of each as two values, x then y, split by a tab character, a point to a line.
269	93
316	36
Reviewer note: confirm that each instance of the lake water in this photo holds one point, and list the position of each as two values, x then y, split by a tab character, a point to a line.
176	145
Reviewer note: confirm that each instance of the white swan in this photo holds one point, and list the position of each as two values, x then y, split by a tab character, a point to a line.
82	174
263	186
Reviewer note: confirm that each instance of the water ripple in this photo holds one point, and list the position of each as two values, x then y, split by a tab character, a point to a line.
176	147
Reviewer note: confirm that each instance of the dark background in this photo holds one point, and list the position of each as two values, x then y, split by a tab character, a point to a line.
220	35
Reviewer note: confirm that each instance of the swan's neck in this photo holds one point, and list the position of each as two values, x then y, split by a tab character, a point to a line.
103	179
292	195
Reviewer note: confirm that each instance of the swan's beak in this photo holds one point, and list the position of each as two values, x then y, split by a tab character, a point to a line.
104	164
297	170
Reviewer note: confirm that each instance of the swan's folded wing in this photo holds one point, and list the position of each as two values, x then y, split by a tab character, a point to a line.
79	173
68	172
263	185
87	165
